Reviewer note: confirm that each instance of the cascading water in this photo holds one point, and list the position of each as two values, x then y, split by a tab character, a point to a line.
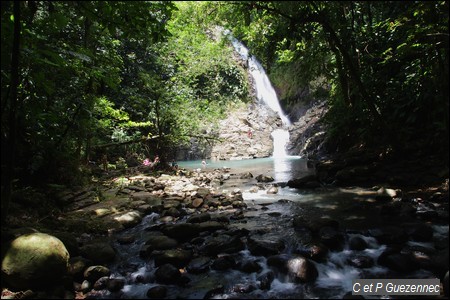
266	93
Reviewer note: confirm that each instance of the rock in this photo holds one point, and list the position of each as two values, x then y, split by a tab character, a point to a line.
210	226
254	189
397	261
161	242
223	262
171	212
361	261
246	175
85	286
168	274
389	192
250	266
331	238
98	252
264	247
101	283
302	269
77	266
176	257
357	243
310	181
199	218
272	190
419	232
69	241
157	292
35	260
243	288
314	225
265	280
182	231
93	273
197	202
126	239
219	289
203	192
129	219
199	265
222	244
384	194
389	235
317	252
264	178
145	251
426	211
115	284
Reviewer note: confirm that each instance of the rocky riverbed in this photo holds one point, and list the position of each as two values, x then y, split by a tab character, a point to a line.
185	225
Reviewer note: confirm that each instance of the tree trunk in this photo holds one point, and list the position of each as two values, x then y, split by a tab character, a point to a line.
351	68
11	145
343	78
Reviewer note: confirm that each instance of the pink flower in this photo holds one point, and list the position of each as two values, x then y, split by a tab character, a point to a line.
146	162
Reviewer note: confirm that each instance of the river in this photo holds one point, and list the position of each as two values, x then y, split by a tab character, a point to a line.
271	216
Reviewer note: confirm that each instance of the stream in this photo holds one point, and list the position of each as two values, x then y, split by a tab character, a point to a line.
270	217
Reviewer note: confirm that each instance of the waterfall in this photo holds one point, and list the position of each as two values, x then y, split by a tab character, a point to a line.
266	93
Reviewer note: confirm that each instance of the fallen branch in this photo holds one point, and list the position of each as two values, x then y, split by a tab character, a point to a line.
206	137
146	139
142	139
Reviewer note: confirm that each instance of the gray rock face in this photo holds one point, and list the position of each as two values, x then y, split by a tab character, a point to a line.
35	260
308	132
246	134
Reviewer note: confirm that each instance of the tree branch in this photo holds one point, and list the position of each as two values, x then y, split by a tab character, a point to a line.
141	140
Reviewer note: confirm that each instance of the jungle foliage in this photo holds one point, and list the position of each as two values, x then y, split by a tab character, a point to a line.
125	79
91	73
79	77
386	64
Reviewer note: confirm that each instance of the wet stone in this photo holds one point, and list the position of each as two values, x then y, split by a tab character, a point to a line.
199	265
157	292
223	263
361	261
265	280
168	274
357	243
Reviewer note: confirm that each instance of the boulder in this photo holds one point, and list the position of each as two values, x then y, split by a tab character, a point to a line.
264	178
129	219
35	260
302	269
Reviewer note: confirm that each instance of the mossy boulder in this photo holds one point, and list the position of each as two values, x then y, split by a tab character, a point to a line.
35	260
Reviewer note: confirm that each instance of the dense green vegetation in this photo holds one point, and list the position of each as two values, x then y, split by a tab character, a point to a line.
131	79
386	63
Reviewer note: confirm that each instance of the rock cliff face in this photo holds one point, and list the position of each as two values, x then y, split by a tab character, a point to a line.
307	134
246	134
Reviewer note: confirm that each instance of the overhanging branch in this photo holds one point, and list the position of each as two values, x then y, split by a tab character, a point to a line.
156	137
